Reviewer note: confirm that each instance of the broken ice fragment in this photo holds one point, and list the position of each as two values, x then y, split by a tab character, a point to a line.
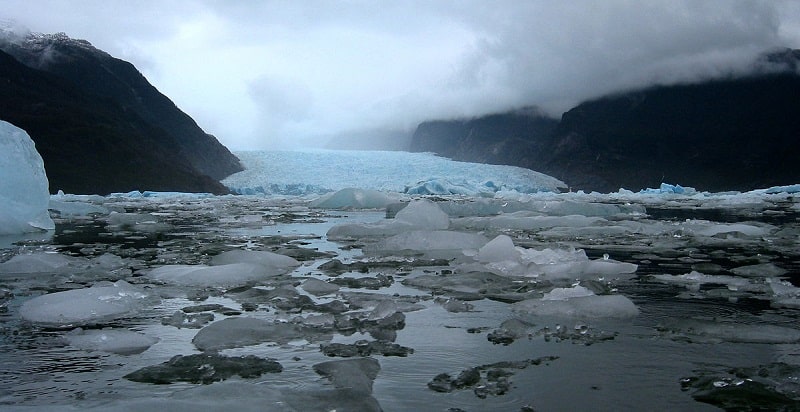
204	368
354	374
237	332
95	305
119	341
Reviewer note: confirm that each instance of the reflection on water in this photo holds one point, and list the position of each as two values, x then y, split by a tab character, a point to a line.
679	335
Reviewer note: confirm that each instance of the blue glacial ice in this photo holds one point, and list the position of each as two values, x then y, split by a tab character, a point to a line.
324	171
24	192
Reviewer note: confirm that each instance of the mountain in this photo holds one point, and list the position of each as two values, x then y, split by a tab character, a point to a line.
735	133
99	125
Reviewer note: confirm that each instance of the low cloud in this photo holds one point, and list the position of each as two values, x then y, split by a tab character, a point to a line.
274	73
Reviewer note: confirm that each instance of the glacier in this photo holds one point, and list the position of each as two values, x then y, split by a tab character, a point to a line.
323	171
24	194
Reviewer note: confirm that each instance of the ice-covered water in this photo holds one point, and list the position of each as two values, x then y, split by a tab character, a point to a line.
501	301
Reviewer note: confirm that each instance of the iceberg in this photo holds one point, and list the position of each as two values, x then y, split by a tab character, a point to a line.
24	194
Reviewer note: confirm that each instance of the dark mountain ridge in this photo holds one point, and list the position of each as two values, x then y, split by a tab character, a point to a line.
99	125
735	133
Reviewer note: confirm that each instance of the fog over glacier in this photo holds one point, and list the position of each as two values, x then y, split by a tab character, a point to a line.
275	74
426	285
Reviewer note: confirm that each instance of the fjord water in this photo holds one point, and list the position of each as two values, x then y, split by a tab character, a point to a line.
528	299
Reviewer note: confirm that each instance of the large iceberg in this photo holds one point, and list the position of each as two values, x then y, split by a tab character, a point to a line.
24	192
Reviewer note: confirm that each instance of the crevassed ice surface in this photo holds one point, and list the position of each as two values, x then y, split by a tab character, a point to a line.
360	300
322	171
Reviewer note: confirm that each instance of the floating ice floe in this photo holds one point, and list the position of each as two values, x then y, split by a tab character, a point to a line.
319	287
140	222
694	279
762	270
49	268
501	257
119	341
420	214
784	294
708	331
40	262
353	374
98	304
72	206
24	192
577	302
244	331
429	242
228	269
352	198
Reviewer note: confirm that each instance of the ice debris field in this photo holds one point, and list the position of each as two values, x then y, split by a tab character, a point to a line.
426	288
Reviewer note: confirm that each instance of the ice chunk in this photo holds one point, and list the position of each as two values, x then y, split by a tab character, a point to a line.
767	270
384	309
427	241
119	341
694	279
448	187
579	306
520	220
354	374
499	249
254	266
223	276
24	194
352	198
666	188
319	287
424	214
713	331
74	208
270	261
40	262
704	228
95	305
237	332
500	256
418	215
567	293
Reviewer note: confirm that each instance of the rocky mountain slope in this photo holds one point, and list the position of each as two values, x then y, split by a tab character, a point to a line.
99	125
727	134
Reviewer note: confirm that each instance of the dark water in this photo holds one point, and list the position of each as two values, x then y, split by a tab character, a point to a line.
700	347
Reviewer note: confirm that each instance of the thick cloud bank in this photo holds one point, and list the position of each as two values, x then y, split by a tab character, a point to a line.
282	74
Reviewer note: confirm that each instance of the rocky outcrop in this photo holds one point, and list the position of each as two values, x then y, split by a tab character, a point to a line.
727	134
99	125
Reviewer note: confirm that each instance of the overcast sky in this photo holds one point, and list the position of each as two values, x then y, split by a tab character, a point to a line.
266	74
